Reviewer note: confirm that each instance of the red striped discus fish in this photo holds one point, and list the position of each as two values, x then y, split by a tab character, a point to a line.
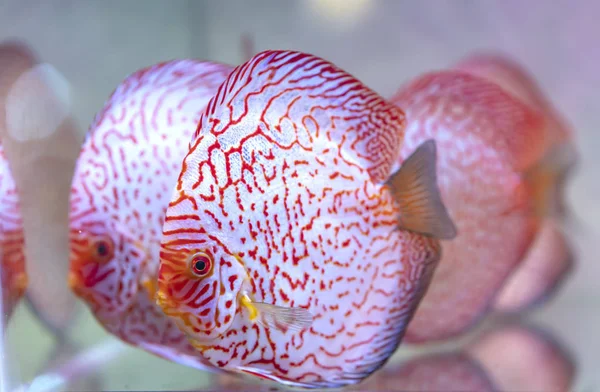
12	242
291	250
121	188
487	139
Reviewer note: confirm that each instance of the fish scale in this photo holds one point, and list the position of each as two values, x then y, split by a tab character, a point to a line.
121	187
303	222
12	242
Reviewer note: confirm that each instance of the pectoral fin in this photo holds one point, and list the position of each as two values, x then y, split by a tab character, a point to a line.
278	317
414	186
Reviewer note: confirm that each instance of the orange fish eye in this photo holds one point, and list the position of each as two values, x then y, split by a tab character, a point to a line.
102	249
201	264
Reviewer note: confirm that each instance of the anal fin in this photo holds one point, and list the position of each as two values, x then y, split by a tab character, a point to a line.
414	187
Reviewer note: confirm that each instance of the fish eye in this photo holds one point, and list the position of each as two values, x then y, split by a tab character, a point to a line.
102	249
201	264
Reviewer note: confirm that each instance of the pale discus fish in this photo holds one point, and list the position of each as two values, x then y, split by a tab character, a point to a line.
487	139
121	188
290	249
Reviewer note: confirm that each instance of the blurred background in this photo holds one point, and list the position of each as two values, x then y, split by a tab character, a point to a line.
96	44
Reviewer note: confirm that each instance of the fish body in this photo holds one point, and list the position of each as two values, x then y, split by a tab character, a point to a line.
121	188
286	252
12	242
487	140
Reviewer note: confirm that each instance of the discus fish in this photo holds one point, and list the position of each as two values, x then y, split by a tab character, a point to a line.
487	139
293	249
12	242
121	189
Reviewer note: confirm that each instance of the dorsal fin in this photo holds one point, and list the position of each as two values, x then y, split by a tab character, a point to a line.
292	97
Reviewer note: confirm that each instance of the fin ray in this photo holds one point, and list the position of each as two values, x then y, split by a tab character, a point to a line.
282	318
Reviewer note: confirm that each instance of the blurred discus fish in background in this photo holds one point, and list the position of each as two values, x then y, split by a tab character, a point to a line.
487	139
125	172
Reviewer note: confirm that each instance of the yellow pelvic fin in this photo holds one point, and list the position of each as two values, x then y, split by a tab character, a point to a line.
246	302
